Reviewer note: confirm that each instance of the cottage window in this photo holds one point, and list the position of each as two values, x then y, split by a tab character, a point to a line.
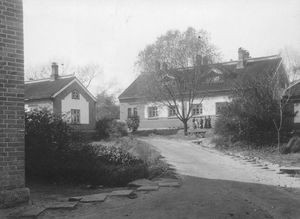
75	116
152	112
75	95
172	111
196	109
220	106
129	112
135	112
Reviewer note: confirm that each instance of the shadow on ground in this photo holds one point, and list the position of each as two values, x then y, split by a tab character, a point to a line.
196	198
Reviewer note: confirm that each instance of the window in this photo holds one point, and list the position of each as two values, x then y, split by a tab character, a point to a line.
172	111
132	112
152	112
196	109
75	116
129	113
219	106
75	95
135	112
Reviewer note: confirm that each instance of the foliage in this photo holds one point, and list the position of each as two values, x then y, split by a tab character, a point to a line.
52	156
133	123
177	49
106	106
107	127
163	132
103	127
118	129
256	109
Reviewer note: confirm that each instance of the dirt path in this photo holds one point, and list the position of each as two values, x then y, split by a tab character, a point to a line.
214	186
194	160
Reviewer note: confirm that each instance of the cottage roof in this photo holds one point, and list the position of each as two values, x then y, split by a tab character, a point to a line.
228	70
49	88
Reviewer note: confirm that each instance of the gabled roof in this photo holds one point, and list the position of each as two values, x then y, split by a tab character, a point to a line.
50	88
262	65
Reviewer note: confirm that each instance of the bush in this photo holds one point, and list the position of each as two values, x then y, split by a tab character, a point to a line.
103	127
163	132
107	127
118	129
52	155
133	123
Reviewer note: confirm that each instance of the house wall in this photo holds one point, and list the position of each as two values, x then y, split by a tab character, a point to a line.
67	103
39	104
57	105
12	171
163	121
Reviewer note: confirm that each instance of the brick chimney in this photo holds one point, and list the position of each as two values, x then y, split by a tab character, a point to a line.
243	55
54	74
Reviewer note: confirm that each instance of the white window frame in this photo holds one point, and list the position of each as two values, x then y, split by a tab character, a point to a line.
75	95
171	111
75	116
152	112
197	109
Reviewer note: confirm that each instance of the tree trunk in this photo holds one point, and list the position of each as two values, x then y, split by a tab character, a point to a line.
278	140
185	125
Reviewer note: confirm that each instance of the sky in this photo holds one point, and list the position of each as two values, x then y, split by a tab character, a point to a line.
111	33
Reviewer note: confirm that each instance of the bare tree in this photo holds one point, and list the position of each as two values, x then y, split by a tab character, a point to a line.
86	73
178	50
177	89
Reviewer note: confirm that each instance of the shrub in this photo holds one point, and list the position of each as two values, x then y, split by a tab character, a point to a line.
52	155
118	129
103	127
133	123
107	127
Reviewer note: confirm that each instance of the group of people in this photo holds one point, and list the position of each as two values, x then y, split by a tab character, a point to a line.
202	123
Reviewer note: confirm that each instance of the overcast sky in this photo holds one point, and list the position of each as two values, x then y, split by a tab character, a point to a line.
112	32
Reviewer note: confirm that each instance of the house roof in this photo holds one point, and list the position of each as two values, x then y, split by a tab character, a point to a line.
229	72
49	88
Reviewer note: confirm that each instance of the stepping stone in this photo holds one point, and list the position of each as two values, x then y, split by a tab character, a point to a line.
290	170
94	198
61	205
148	188
32	212
142	182
126	193
75	198
169	184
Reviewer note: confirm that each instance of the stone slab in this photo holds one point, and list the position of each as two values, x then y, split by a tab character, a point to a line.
32	212
169	184
290	170
142	182
11	198
75	198
94	198
61	205
148	188
121	193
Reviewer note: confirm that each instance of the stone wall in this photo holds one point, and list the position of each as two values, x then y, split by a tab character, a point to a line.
11	104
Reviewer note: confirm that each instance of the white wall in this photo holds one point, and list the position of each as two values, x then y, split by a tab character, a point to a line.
48	104
82	104
209	104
